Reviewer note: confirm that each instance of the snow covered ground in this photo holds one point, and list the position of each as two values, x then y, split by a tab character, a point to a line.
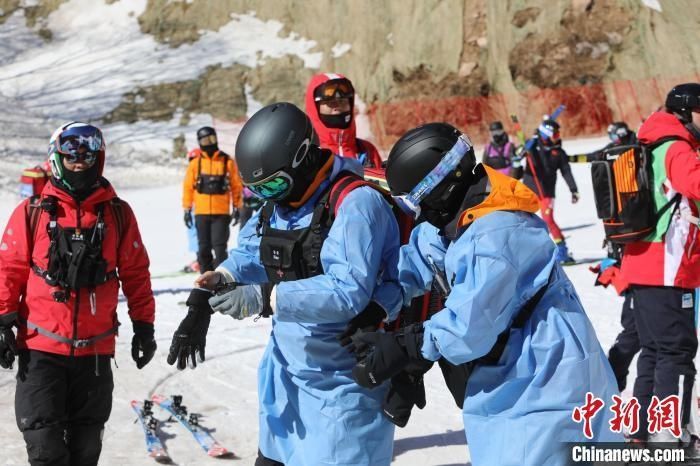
223	389
89	64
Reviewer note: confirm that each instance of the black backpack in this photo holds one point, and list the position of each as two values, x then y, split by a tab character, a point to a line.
622	186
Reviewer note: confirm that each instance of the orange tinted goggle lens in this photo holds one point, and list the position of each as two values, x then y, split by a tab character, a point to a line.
335	90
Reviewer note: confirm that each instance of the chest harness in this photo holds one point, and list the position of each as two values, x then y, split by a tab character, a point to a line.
212	184
75	259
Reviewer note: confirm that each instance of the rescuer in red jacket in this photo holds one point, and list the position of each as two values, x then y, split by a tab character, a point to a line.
330	104
63	256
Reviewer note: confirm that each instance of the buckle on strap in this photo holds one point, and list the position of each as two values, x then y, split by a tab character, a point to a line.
75	343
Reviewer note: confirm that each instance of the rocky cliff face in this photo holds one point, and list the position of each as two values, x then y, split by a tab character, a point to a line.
464	61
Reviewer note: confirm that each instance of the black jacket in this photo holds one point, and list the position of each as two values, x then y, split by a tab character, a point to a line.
541	170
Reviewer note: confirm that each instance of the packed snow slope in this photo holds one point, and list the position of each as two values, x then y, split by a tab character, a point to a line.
223	389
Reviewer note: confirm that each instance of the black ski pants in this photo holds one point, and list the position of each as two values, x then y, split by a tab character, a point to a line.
626	344
62	406
265	461
665	320
212	232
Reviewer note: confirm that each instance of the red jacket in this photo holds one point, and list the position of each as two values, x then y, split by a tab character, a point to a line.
24	292
342	142
674	258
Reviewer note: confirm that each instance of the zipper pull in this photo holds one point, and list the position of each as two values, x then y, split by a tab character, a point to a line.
93	302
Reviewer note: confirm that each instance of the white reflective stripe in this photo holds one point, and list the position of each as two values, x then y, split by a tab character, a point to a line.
675	241
691	218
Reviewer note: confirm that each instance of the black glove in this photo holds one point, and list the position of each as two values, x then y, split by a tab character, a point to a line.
367	321
235	217
190	337
383	355
143	345
8	347
405	391
188	219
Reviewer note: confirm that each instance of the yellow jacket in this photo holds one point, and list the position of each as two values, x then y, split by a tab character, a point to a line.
212	204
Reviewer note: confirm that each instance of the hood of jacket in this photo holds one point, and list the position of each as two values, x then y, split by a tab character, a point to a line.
339	141
662	124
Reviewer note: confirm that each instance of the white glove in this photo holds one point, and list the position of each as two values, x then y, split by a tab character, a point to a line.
239	303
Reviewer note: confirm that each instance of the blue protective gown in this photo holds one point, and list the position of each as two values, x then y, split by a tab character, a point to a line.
518	411
311	410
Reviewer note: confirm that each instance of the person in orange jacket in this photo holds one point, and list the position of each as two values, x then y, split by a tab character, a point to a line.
212	186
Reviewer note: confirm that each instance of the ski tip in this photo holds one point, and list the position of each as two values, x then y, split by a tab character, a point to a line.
217	451
158	398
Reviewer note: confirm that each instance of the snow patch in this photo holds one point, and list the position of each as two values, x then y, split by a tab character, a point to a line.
339	49
89	65
653	4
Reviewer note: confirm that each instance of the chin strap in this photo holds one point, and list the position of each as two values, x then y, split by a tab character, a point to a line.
693	130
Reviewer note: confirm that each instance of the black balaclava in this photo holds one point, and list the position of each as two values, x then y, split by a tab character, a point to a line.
443	203
81	183
305	174
339	121
499	139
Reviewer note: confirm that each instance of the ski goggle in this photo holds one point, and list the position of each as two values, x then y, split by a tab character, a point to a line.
274	187
617	134
208	140
549	132
497	132
80	144
410	203
336	89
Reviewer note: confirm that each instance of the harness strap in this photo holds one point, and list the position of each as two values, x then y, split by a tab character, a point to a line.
75	343
199	166
46	276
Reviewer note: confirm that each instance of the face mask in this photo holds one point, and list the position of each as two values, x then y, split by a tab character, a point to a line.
443	203
210	150
81	182
306	175
500	139
340	121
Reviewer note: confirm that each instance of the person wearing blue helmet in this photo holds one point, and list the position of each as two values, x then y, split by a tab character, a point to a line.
512	315
331	253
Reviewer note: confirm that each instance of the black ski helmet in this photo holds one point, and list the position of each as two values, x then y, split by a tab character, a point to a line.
619	132
549	132
496	126
206	137
277	145
415	155
683	100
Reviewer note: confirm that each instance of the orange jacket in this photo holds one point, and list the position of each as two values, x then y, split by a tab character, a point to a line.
212	204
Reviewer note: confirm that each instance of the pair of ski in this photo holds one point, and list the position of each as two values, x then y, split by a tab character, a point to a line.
174	407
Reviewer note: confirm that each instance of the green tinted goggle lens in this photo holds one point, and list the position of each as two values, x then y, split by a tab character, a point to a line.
275	187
